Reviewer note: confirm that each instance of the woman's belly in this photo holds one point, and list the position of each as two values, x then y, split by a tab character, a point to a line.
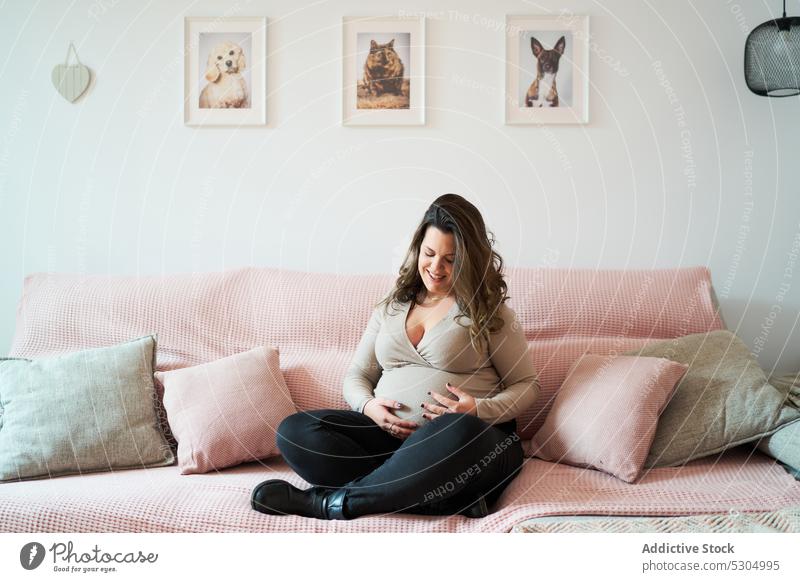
410	384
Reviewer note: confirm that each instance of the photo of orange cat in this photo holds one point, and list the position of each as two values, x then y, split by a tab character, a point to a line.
383	78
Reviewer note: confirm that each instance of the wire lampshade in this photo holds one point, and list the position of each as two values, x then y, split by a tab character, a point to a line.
772	57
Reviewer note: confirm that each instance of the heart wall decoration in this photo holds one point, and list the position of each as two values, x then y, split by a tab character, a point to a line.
71	80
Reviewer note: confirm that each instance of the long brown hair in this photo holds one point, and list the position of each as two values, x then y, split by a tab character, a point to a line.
478	283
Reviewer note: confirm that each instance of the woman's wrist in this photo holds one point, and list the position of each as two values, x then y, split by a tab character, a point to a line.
364	406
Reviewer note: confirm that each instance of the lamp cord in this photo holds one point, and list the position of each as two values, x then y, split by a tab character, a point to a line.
784	8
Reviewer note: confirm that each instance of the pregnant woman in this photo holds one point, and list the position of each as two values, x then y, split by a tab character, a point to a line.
437	380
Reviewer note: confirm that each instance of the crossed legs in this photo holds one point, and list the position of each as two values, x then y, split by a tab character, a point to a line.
452	460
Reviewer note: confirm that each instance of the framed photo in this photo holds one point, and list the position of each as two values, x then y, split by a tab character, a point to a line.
383	80
547	69
225	71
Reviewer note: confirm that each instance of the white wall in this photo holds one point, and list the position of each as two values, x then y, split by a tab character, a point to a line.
681	165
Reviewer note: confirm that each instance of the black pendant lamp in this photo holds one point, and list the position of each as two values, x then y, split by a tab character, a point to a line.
772	57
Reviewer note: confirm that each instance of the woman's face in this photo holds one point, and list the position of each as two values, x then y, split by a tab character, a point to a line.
436	257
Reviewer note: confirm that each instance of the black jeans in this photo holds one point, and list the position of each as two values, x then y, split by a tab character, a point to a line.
441	468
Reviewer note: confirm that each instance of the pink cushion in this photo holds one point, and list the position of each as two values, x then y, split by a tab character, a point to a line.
606	412
226	412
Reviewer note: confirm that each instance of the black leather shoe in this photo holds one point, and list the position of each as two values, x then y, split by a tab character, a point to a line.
477	509
333	504
278	497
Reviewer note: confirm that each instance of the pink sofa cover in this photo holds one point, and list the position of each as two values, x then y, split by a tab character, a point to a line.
316	320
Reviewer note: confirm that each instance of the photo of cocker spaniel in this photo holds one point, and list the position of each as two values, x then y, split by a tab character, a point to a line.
226	88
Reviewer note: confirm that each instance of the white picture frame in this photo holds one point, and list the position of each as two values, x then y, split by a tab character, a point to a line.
383	100
524	75
236	96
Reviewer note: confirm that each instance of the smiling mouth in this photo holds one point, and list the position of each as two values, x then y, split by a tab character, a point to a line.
434	277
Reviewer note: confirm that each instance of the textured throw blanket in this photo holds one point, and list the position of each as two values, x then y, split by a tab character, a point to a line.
786	520
163	500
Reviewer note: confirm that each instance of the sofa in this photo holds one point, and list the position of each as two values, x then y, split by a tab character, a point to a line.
315	320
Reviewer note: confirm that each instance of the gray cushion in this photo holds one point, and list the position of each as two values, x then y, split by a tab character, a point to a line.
784	444
723	400
82	412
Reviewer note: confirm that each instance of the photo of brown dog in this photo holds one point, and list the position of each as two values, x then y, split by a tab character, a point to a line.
545	69
543	92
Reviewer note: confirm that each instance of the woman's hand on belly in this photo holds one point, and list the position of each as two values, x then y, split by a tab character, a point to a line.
465	403
378	409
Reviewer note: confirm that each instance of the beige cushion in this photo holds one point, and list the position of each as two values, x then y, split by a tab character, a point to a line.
82	412
724	399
